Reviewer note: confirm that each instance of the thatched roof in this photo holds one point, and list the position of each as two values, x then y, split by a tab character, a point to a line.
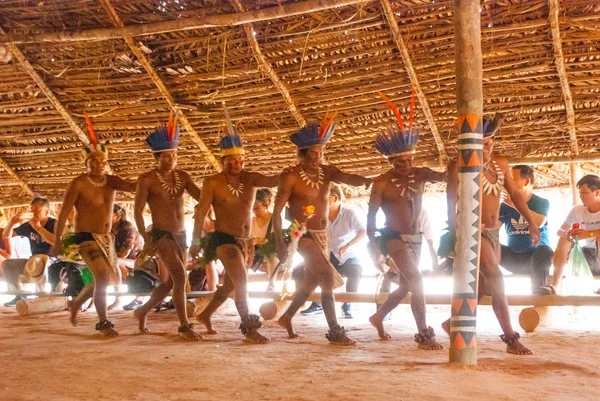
279	65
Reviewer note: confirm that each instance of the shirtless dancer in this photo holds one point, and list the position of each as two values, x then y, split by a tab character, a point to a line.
93	195
231	193
162	189
496	176
399	192
307	184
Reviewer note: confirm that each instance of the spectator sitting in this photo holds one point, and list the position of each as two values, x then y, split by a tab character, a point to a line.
62	268
128	243
40	232
346	229
261	226
519	256
588	217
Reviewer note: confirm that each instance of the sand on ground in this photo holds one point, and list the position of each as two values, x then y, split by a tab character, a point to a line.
45	358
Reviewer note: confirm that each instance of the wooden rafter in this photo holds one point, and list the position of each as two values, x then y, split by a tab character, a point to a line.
391	20
267	69
18	54
15	176
562	73
161	86
183	24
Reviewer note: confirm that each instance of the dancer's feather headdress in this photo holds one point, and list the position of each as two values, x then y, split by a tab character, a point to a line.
164	137
231	143
315	133
491	126
398	140
94	148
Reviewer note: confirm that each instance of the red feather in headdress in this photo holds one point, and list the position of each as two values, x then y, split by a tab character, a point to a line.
91	130
326	123
172	126
412	108
394	109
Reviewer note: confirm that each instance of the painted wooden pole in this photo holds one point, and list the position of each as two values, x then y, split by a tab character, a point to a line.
469	102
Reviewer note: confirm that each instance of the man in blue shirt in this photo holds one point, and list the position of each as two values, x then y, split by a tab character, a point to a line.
40	232
519	256
346	230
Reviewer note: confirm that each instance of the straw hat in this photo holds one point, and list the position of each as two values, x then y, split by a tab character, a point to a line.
35	268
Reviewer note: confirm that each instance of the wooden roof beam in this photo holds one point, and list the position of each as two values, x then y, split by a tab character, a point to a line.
391	20
49	94
268	70
183	24
16	177
116	20
18	54
559	60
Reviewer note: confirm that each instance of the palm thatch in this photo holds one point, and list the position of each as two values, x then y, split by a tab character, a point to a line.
279	64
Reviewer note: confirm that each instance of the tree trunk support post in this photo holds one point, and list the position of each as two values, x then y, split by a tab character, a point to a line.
469	102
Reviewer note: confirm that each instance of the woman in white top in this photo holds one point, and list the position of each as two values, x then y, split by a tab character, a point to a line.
261	226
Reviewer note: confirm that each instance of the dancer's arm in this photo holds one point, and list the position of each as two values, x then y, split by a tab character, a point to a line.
206	199
141	197
284	191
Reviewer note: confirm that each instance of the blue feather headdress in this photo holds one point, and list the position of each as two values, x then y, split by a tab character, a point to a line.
164	137
490	126
315	134
398	140
231	144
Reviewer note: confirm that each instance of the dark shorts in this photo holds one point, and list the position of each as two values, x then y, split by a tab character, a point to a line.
413	242
157	235
217	238
82	237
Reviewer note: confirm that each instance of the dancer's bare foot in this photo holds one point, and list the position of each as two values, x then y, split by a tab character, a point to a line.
285	321
73	311
377	321
255	337
343	340
109	332
114	305
518	349
187	332
141	317
207	322
446	327
430	344
107	328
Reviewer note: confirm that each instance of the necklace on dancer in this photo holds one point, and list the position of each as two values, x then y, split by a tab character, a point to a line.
170	190
235	191
488	187
400	184
100	184
313	183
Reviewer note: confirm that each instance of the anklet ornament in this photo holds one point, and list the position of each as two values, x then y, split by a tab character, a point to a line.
105	324
424	335
250	323
335	333
185	327
510	339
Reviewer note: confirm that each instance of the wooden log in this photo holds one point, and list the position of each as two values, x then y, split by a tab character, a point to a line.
469	104
531	318
37	306
182	24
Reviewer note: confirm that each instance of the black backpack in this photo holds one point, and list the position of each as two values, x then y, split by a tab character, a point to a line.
75	281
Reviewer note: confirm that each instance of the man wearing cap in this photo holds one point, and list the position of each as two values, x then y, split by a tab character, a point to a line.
305	188
495	177
39	230
92	195
399	193
162	188
231	193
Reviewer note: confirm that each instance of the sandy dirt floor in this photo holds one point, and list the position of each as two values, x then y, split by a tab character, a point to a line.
44	358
